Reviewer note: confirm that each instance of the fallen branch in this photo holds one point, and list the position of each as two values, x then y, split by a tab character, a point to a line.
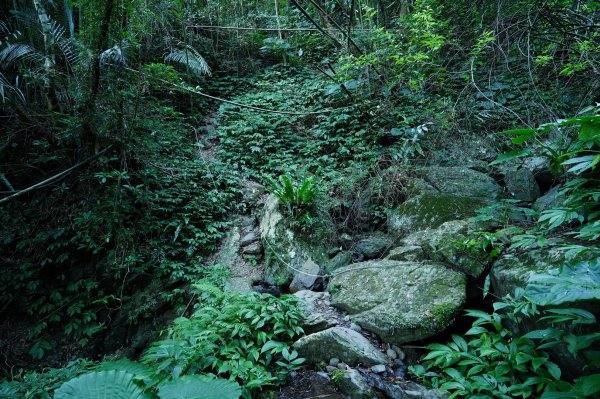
55	177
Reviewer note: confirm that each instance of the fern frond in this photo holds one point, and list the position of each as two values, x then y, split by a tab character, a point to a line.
189	58
16	52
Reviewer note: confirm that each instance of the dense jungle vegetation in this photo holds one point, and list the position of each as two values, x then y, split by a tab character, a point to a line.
134	135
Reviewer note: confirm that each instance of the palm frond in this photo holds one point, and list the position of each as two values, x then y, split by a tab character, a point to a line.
6	86
189	58
65	44
4	28
14	52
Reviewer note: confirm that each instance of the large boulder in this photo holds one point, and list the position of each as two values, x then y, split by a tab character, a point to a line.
408	253
341	343
286	253
521	185
460	181
308	277
341	259
373	247
399	301
512	271
442	245
552	199
430	210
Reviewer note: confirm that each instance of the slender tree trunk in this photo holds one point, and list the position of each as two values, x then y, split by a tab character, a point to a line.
279	28
49	60
89	133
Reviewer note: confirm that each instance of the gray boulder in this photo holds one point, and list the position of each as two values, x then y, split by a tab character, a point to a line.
512	270
341	259
460	181
442	245
352	383
399	301
521	184
314	320
408	253
430	210
552	199
308	277
541	169
373	247
339	342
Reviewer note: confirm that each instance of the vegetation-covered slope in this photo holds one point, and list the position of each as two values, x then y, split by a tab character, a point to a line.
136	135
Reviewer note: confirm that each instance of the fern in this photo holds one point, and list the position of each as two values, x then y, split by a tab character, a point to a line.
109	384
189	58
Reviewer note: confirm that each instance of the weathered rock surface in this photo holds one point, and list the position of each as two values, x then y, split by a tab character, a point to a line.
512	270
441	245
373	247
399	301
552	199
408	253
315	319
284	251
430	210
353	384
243	275
308	277
341	259
521	184
460	181
339	342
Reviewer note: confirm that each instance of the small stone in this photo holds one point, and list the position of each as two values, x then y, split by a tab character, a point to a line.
399	363
353	384
308	278
355	327
334	361
346	318
391	354
380	368
330	369
323	375
249	238
342	366
399	352
400	373
254	248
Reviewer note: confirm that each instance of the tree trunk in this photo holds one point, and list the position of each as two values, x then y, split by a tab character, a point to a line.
49	60
89	133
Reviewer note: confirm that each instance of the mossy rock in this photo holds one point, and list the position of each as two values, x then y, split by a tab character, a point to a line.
286	251
442	245
512	270
460	181
430	210
399	301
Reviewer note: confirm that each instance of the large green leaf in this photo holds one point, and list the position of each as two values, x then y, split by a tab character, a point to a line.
578	282
109	384
140	371
199	387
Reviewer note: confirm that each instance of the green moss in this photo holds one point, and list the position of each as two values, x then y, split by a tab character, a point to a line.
430	210
443	314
